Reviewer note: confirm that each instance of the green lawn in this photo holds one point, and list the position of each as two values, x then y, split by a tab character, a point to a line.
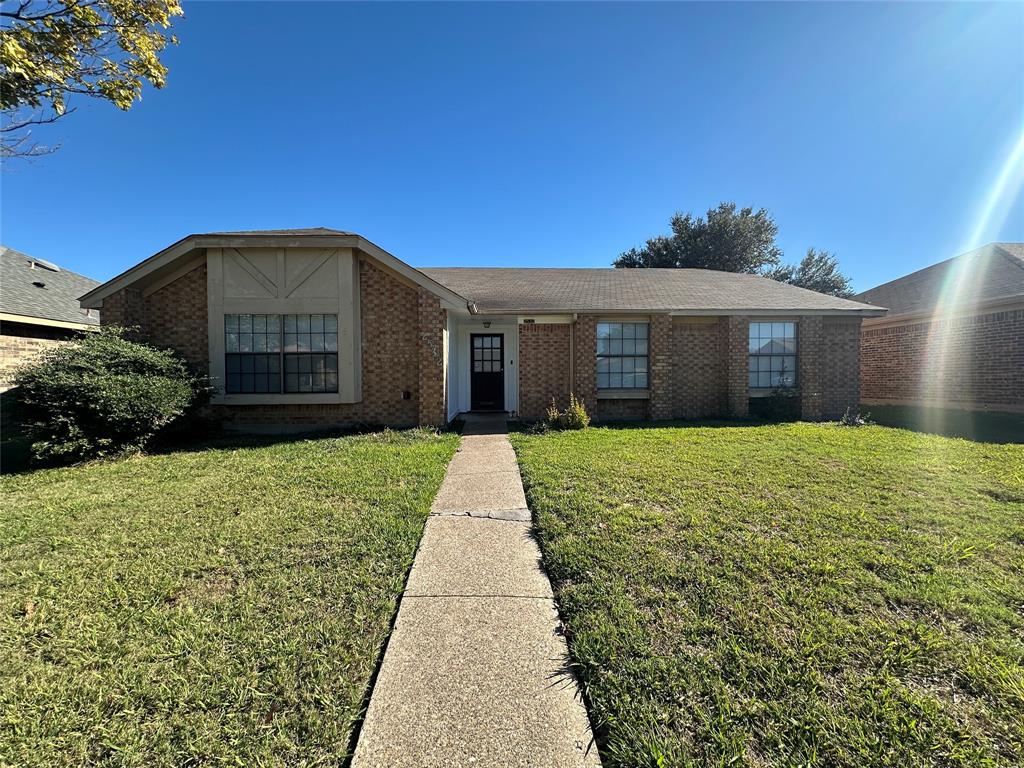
788	595
224	606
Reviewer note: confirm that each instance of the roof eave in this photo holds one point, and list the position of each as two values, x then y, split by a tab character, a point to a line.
759	311
10	317
94	298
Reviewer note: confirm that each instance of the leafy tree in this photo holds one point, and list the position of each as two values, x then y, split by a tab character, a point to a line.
736	241
727	240
50	49
817	271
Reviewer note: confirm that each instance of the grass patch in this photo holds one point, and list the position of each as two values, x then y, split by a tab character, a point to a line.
788	595
217	606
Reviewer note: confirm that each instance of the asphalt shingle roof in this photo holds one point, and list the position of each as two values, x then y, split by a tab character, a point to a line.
500	289
57	299
286	232
993	271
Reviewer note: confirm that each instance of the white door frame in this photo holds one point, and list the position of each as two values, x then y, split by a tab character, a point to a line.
460	360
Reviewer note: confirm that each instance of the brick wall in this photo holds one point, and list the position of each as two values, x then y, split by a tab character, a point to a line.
969	361
585	361
840	366
402	339
544	367
736	345
21	343
661	365
176	316
123	308
810	347
629	409
173	317
700	368
432	321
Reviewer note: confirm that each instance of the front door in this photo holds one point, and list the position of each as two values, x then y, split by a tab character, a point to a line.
487	376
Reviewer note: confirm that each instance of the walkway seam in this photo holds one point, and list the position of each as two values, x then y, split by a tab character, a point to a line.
476	669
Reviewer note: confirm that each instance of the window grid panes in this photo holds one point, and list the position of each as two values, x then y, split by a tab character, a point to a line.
487	354
772	360
275	353
622	350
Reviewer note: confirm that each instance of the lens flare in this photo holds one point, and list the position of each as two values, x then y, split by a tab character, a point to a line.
945	381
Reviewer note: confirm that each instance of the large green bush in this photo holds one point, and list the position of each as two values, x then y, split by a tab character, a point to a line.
103	394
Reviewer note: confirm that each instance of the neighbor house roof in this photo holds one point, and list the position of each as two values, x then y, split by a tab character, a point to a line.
36	291
984	275
526	290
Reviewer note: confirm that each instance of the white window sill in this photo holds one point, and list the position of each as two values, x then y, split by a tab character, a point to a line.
623	394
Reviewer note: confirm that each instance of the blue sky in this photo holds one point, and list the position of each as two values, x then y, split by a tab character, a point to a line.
549	134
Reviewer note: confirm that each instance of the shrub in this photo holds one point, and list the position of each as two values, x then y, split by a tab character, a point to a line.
103	394
573	417
853	418
782	404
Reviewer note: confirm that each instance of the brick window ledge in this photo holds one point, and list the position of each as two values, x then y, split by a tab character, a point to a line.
623	394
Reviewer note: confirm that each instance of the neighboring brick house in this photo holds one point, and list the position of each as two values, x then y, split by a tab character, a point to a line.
319	327
954	335
38	309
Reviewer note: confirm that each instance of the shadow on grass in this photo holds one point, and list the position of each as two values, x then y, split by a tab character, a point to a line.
16	456
526	428
979	426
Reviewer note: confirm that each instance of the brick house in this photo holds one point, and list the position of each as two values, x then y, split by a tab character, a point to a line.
321	327
38	309
954	335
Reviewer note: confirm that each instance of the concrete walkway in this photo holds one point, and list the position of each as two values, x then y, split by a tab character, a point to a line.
475	672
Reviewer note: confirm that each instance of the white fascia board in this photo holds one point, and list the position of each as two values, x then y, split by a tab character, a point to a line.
7	317
94	298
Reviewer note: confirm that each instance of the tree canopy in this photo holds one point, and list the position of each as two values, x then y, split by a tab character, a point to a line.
732	240
52	49
817	271
726	240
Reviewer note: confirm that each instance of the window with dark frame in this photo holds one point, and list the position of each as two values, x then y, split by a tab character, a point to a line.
280	353
772	349
622	350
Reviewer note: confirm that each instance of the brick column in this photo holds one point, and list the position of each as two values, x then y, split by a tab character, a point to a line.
433	409
809	360
585	361
661	367
736	330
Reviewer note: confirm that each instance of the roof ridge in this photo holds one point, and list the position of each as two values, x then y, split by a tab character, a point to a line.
1014	259
944	262
65	270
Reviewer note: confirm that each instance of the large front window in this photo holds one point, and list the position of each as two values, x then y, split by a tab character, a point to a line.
280	353
622	355
772	355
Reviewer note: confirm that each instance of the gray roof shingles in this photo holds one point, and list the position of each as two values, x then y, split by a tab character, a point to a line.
275	232
524	290
56	300
994	271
